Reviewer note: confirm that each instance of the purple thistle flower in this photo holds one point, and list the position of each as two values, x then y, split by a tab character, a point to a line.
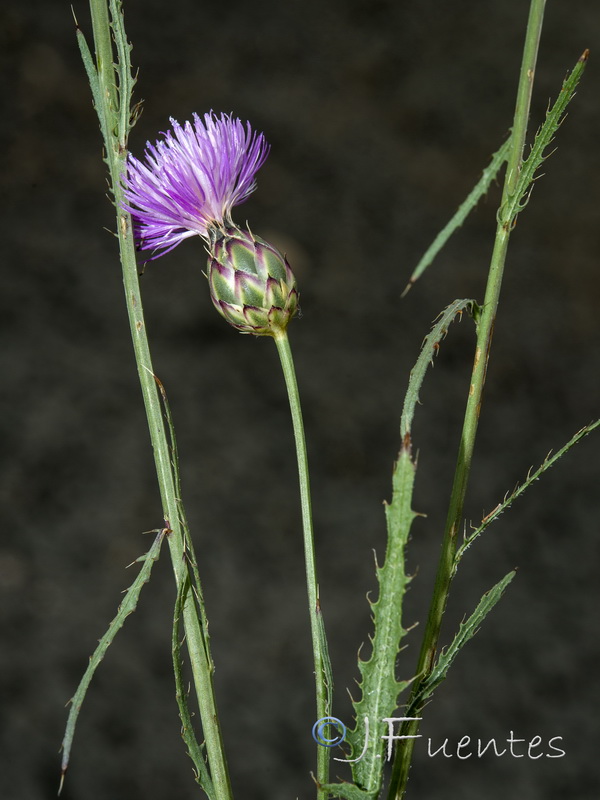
186	186
191	179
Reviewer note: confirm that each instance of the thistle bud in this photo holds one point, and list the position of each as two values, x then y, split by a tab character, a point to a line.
251	283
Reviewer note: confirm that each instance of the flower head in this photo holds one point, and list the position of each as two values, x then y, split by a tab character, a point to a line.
190	180
186	186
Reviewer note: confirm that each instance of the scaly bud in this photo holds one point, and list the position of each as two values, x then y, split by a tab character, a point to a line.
251	283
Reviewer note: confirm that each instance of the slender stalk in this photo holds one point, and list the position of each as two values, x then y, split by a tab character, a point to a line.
323	679
115	123
485	330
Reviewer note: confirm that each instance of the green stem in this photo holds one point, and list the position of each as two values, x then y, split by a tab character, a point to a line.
323	678
195	635
115	123
485	330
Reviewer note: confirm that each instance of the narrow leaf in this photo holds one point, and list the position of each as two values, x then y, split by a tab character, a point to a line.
126	608
326	665
548	462
543	138
92	74
188	545
489	174
187	729
126	81
465	632
428	350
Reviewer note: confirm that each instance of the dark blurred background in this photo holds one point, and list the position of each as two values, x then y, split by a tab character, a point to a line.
381	117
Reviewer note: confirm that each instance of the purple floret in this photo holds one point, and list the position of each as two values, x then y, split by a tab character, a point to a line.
191	179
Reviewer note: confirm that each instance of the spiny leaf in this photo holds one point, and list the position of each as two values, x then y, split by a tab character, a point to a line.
189	552
530	167
348	791
92	74
126	608
88	63
126	81
187	729
326	662
379	688
489	174
465	632
548	462
543	138
429	349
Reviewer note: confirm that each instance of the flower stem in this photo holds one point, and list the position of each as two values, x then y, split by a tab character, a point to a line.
485	330
112	99
323	675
